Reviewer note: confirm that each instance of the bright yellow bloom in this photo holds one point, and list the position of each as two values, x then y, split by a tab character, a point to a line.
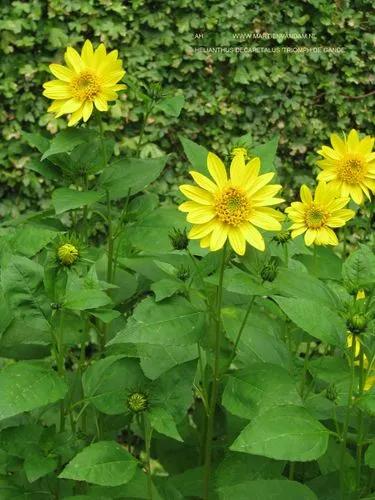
317	216
88	79
360	295
229	208
370	375
349	165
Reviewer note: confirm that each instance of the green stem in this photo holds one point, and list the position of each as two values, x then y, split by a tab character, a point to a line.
242	327
286	254
103	336
305	367
360	420
143	126
85	211
215	382
292	469
347	420
148	436
315	262
61	365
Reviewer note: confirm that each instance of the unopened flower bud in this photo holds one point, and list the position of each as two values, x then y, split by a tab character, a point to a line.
269	271
179	239
282	237
331	393
137	402
67	254
357	323
183	273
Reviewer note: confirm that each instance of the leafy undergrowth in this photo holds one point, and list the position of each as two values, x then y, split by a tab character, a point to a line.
108	351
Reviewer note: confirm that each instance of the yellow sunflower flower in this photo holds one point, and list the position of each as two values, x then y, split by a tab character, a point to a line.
230	208
88	79
349	165
317	216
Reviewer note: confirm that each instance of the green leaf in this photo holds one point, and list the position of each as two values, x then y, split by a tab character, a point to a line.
108	382
37	465
359	268
105	463
297	283
196	154
64	199
37	141
327	326
22	283
172	105
173	389
163	422
130	175
237	281
29	239
151	233
239	467
86	298
24	387
266	153
284	433
260	340
263	489
171	322
258	388
66	140
166	288
157	359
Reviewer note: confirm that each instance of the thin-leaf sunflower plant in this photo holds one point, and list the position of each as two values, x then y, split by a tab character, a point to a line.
228	209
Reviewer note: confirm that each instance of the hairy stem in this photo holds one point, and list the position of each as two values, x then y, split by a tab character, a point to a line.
215	382
346	421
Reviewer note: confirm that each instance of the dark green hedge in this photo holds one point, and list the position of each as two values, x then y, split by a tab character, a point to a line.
303	96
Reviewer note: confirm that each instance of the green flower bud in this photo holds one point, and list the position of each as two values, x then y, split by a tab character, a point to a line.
282	237
357	323
137	402
179	239
269	271
331	393
183	273
67	254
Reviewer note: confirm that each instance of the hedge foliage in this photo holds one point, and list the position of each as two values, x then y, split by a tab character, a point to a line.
303	96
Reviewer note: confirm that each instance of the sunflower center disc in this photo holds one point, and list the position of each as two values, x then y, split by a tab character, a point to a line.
86	86
351	170
315	217
232	206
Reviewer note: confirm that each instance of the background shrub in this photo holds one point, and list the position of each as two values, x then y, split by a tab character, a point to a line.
302	96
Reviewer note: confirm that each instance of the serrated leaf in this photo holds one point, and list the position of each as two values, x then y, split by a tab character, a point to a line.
64	199
130	175
262	489
172	105
284	433
108	382
81	300
258	388
66	140
163	422
24	387
327	326
196	154
171	322
105	463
